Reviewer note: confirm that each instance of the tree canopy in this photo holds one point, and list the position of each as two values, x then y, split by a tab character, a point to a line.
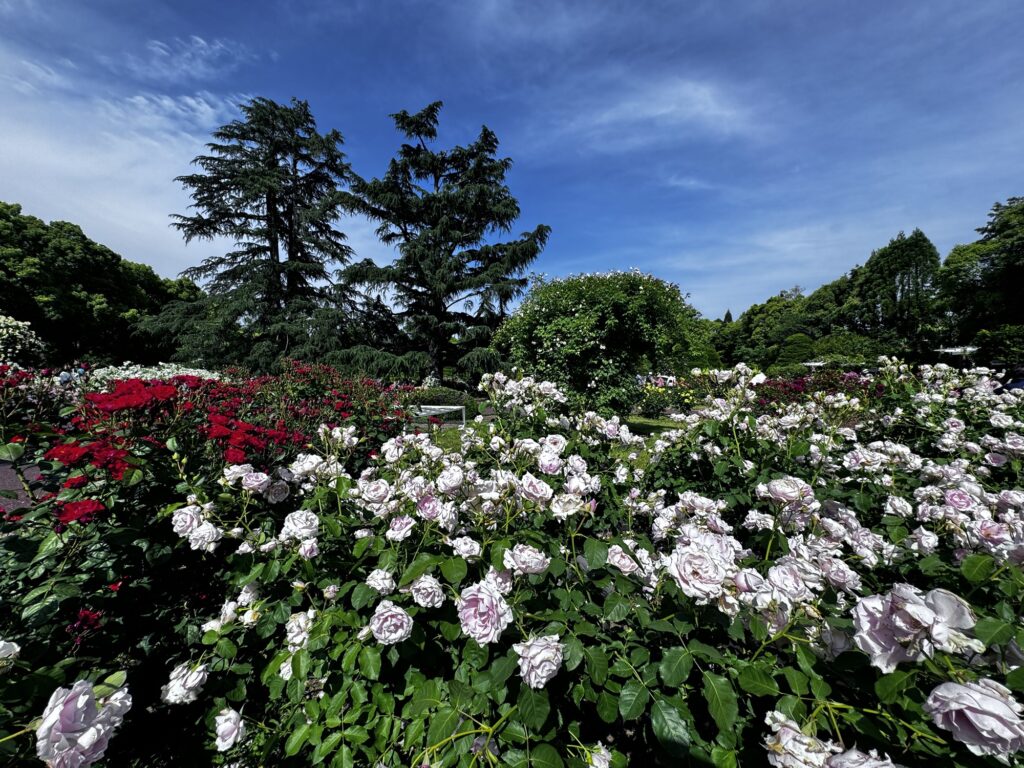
451	282
271	187
83	300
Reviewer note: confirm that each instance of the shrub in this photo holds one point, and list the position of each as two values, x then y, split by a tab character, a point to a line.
18	343
1003	345
592	334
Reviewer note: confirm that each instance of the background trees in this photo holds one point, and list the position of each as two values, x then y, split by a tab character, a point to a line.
271	187
451	284
83	300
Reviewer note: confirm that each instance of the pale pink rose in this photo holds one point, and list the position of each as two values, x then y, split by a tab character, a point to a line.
981	715
466	547
618	557
390	624
535	489
74	732
539	659
905	625
230	729
427	592
698	573
400	528
524	559
549	462
483	612
789	747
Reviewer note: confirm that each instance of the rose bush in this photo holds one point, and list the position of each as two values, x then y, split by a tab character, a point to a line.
833	582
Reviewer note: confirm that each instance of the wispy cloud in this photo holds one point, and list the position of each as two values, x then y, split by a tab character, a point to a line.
183	60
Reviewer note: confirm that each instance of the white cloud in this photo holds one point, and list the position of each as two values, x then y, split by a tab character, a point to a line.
183	60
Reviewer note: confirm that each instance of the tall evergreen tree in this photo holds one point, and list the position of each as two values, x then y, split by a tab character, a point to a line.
270	185
441	208
895	290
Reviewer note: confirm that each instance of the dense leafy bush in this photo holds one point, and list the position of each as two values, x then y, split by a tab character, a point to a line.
553	591
592	334
1004	345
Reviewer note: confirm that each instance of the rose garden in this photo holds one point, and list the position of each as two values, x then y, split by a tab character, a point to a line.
833	580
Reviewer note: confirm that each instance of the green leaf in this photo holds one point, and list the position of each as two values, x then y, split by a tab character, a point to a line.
633	700
417	568
607	707
675	666
597	665
723	758
1015	680
545	756
721	699
616	608
454	570
596	553
369	662
670	727
533	707
11	452
977	568
993	631
888	687
442	725
296	739
757	681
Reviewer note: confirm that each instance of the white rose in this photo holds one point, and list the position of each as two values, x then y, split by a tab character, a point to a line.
309	549
382	581
185	683
390	624
524	559
539	659
450	480
300	525
427	592
297	629
375	492
9	650
186	520
565	505
73	731
255	482
236	472
230	729
466	547
205	536
277	492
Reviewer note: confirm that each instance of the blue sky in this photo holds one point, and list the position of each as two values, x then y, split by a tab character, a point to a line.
736	148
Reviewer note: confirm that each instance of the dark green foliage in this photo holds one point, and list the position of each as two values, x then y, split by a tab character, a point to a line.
82	299
270	186
895	294
797	349
441	208
593	334
1003	345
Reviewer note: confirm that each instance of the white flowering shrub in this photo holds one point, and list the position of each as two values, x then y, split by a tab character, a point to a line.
832	583
18	342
